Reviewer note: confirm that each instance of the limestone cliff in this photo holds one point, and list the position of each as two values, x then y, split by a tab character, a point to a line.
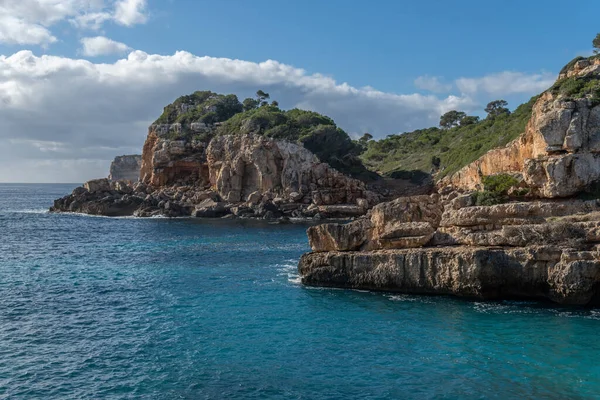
435	245
191	167
125	168
558	155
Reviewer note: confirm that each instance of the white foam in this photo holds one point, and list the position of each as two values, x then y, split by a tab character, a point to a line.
30	211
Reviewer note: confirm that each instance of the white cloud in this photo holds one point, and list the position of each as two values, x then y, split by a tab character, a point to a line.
130	12
506	83
432	84
104	109
100	45
19	31
92	21
30	21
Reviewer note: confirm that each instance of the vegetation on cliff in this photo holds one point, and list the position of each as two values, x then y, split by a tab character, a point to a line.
316	132
445	151
577	87
200	106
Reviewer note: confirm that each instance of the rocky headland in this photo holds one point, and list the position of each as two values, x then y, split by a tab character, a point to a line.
521	221
195	164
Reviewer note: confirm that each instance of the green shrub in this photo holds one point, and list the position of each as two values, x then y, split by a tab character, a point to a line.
495	190
486	198
200	106
500	183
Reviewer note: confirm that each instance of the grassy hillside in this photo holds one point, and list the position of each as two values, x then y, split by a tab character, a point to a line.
444	150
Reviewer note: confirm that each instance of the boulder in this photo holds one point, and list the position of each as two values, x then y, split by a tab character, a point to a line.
97	185
209	208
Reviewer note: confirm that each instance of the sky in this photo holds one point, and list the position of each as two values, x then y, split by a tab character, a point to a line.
81	80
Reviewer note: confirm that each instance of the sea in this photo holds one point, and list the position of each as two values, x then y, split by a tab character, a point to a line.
157	308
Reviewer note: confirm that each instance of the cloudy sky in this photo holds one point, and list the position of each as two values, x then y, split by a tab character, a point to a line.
80	80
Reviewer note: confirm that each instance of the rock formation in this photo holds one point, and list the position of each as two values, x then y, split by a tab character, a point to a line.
125	168
558	155
430	245
190	170
545	248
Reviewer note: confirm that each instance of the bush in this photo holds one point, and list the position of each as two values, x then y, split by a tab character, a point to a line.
495	189
486	198
200	106
500	183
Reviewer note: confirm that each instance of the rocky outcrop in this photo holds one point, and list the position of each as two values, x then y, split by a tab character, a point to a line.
564	276
246	176
558	155
444	245
125	168
170	158
241	165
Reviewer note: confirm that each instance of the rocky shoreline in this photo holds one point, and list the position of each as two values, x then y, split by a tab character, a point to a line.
531	250
527	234
120	198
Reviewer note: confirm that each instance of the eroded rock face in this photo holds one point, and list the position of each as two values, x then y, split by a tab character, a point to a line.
558	155
427	244
562	275
404	222
246	176
125	168
245	164
167	161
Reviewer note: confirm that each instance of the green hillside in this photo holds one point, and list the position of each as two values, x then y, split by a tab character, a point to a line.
444	150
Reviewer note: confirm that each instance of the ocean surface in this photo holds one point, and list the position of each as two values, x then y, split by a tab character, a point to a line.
101	308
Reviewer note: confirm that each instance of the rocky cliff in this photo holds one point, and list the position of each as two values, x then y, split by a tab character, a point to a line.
558	155
125	168
191	166
547	247
435	245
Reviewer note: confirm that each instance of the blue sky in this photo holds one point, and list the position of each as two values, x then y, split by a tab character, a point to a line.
82	79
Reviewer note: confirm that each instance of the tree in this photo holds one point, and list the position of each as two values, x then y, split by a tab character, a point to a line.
451	119
262	97
497	107
596	44
275	103
469	120
365	138
250	104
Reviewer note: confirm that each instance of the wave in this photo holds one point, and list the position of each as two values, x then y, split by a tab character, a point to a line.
290	270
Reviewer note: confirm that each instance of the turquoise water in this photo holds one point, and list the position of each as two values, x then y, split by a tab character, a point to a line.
93	307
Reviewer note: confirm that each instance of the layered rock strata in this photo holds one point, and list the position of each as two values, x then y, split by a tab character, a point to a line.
429	245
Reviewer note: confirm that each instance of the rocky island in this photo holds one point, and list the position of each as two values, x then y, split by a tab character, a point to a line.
521	221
